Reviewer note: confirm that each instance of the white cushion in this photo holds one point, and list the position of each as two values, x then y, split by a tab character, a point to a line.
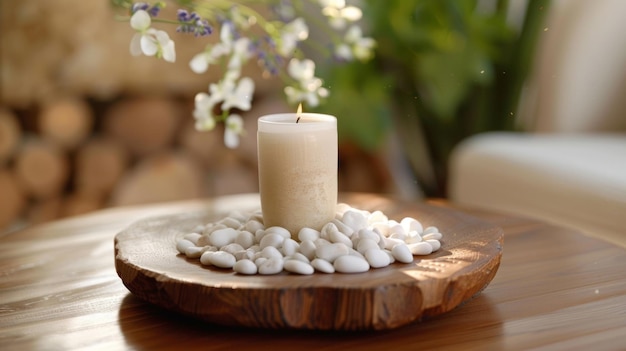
575	180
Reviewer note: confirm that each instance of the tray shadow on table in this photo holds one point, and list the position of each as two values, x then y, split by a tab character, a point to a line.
140	322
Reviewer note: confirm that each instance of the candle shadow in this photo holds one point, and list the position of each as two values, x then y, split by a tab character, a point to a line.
147	326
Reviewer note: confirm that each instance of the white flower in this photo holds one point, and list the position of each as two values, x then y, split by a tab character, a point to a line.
309	87
140	21
344	52
150	41
240	50
301	70
355	46
333	3
239	96
234	128
228	92
203	111
241	53
339	14
200	62
292	33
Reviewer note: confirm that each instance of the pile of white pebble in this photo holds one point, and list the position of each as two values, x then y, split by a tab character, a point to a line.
353	242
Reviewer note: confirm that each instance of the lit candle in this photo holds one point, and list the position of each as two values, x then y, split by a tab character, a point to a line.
297	170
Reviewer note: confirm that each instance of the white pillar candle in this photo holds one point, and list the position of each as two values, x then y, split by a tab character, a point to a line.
297	170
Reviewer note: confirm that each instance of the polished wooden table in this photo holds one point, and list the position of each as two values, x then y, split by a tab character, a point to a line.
555	289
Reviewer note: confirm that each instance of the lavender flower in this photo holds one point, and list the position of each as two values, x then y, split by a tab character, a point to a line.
192	23
153	10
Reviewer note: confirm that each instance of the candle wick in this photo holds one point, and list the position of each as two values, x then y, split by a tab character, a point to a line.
298	119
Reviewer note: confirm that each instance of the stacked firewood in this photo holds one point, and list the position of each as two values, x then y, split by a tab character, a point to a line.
70	156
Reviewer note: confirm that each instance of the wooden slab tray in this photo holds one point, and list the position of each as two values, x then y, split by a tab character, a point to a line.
150	267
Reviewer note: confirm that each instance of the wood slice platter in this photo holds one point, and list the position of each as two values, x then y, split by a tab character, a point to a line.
149	265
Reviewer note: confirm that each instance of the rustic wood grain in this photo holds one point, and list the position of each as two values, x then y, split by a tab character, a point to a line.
556	289
148	263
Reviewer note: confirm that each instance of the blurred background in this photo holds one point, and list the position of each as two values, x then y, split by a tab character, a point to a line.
84	125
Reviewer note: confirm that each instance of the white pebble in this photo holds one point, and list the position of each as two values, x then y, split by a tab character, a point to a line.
326	230
210	229
353	242
366	244
193	252
351	264
338	237
402	253
244	255
366	233
332	251
278	230
377	258
289	247
390	243
377	216
354	252
258	235
183	244
413	237
298	257
342	208
271	266
230	222
430	229
321	242
308	234
193	237
199	228
232	248
307	248
436	245
381	227
245	266
252	226
238	215
245	239
343	228
272	239
432	236
223	237
258	261
209	248
396	229
204	240
271	252
398	235
391	258
411	224
381	239
299	267
222	259
323	266
205	259
421	248
354	219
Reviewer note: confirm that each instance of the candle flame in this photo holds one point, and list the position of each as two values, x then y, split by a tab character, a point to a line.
299	112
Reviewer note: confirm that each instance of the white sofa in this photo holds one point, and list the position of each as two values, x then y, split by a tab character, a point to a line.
569	167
